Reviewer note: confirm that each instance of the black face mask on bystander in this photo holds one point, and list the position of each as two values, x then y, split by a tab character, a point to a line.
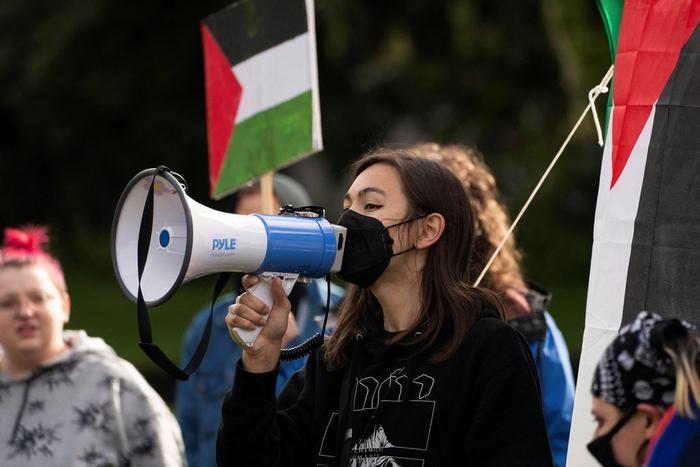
368	248
601	447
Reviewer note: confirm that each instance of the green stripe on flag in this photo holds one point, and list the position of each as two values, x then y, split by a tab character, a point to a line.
266	141
611	11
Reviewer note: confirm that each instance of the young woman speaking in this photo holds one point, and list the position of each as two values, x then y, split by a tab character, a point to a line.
421	369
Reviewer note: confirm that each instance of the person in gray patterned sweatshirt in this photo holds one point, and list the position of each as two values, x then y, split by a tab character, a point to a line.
67	399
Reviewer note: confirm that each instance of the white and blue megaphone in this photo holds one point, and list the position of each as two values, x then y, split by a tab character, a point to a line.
187	240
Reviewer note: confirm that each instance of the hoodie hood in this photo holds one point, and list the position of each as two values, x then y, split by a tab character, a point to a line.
378	346
79	344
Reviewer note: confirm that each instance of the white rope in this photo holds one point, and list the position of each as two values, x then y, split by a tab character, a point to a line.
592	95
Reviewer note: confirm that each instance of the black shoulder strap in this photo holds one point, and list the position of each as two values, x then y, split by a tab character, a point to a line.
144	323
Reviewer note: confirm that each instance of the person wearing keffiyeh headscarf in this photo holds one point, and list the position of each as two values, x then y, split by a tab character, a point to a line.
646	379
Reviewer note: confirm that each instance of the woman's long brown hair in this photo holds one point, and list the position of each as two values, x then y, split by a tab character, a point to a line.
448	302
490	214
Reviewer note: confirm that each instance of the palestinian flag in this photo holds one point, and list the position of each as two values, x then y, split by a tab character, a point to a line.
261	89
646	238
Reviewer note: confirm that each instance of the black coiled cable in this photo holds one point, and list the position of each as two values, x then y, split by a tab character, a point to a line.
303	349
313	342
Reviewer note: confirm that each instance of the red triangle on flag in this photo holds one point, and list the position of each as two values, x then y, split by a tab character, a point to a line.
223	96
652	33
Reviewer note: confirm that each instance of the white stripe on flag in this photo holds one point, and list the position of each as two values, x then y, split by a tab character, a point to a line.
613	231
273	76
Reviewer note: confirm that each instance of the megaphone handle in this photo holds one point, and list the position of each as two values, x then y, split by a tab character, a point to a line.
263	291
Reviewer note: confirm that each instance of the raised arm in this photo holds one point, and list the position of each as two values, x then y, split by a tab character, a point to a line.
253	431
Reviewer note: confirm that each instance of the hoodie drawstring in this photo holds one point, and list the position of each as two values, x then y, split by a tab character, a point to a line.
115	386
411	366
346	406
27	385
22	407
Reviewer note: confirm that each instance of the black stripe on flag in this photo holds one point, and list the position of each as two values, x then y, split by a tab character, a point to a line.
664	267
249	27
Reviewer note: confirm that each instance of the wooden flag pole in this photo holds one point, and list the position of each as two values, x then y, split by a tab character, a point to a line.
267	194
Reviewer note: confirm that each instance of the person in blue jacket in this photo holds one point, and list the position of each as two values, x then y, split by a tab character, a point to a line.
198	400
526	303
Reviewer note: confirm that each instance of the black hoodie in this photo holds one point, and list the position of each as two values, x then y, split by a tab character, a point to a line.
481	407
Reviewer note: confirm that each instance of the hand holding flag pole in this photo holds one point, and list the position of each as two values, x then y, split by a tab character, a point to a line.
267	194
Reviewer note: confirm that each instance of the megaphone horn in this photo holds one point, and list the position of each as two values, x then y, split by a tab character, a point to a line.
188	240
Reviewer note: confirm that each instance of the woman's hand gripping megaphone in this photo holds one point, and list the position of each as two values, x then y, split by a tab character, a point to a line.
250	314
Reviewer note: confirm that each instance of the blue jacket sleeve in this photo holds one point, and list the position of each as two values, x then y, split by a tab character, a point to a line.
556	379
185	410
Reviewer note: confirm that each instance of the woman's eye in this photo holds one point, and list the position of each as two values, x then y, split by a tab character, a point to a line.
37	298
370	206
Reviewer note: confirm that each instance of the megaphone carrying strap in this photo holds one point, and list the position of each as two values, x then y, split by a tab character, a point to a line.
144	322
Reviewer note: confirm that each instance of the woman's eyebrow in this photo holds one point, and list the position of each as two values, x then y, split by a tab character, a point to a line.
371	189
364	192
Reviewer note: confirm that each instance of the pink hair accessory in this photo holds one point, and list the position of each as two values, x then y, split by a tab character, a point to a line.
30	239
25	245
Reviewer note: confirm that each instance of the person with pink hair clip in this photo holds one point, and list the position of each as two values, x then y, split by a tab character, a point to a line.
67	399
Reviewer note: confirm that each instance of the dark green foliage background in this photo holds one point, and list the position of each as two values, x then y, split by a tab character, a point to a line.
93	91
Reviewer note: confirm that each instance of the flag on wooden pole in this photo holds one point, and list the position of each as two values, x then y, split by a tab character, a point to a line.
261	89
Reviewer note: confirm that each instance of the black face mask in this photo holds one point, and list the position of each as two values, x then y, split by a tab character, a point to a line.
601	447
368	248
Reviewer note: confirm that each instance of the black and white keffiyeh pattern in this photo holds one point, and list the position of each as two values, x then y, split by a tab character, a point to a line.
634	368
